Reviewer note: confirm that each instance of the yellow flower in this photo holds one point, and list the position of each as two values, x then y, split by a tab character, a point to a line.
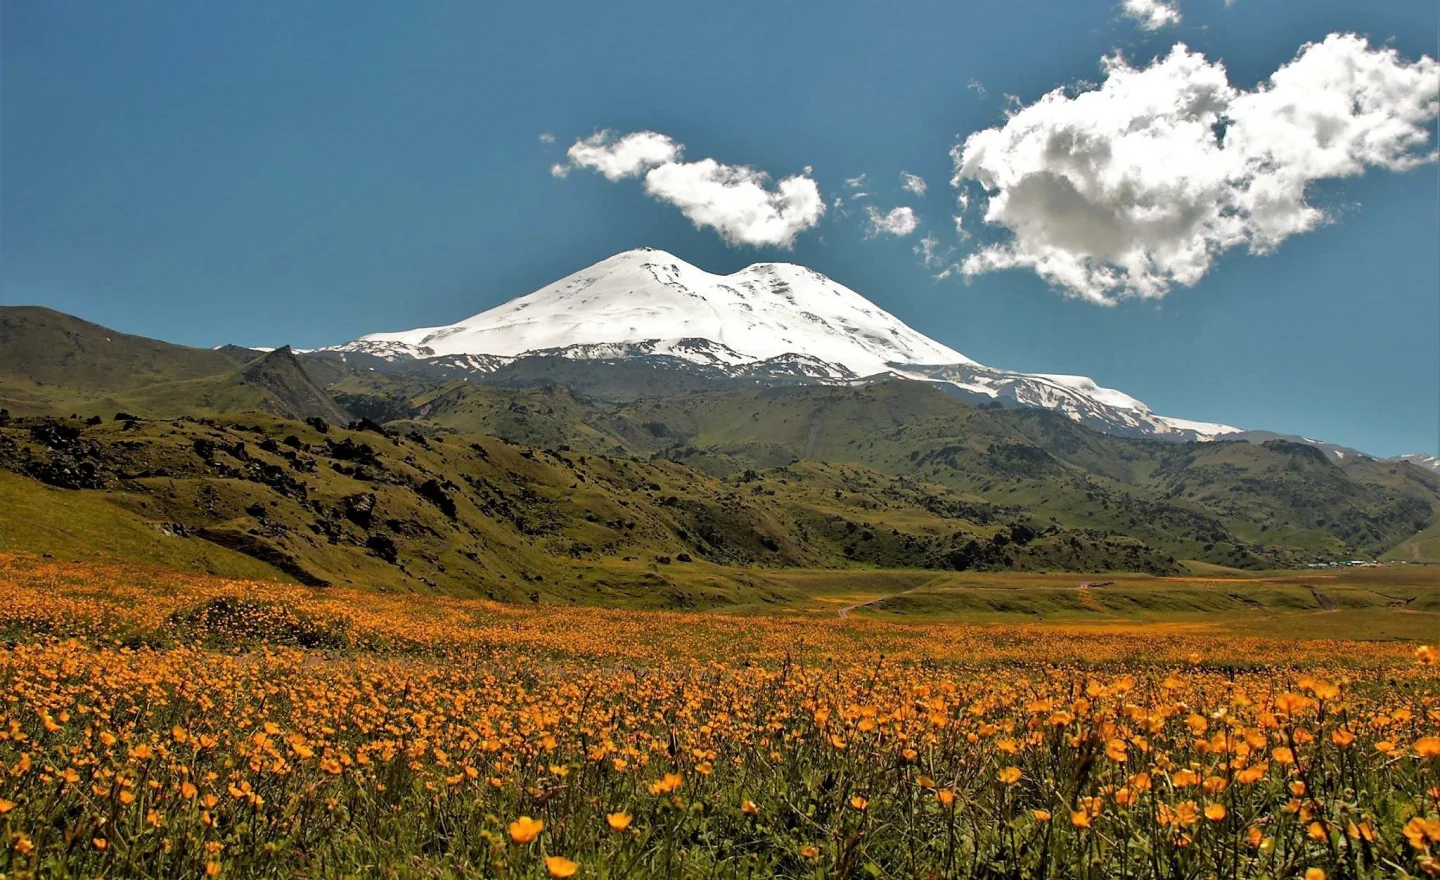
1116	750
559	866
946	797
749	808
669	783
1428	747
1041	815
1080	819
1215	812
810	852
1009	775
859	803
618	821
1314	874
525	829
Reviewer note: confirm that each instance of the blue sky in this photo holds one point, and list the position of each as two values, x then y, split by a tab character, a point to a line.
305	173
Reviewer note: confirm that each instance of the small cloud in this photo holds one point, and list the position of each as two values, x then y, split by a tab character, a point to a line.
929	251
1152	15
855	182
913	183
560	170
899	222
621	157
735	200
808	169
547	138
976	86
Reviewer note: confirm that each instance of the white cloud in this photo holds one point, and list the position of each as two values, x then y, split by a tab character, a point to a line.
855	182
1133	187
912	182
621	157
1152	15
899	221
928	249
547	138
734	200
977	86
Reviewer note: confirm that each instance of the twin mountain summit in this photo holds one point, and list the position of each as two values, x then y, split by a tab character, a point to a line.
643	415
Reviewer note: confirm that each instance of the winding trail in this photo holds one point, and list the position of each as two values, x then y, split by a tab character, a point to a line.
845	612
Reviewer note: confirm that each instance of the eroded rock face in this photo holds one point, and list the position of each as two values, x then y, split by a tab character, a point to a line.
359	509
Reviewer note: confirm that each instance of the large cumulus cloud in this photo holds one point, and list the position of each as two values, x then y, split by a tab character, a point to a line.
1132	187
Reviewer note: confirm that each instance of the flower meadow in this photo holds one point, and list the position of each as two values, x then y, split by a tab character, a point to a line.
168	725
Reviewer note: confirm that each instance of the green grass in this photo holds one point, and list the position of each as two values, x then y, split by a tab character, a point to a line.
1392	602
89	527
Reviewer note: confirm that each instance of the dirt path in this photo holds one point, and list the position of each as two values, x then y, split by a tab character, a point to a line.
845	612
812	439
1326	603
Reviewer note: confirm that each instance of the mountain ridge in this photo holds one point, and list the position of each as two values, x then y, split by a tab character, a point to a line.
650	303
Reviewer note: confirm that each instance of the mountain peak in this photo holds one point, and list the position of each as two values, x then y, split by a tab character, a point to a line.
644	295
647	302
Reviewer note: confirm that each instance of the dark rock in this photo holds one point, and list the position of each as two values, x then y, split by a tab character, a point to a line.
204	448
66	472
383	547
359	509
53	434
126	417
349	450
93	421
368	425
319	424
432	491
257	510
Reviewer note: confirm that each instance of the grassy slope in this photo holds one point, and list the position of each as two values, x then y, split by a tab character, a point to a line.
1235	504
563	526
90	527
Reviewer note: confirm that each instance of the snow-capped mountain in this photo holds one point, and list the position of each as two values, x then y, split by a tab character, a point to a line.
767	321
1421	459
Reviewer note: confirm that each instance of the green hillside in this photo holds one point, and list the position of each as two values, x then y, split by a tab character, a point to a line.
947	485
